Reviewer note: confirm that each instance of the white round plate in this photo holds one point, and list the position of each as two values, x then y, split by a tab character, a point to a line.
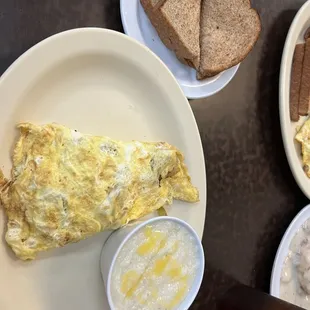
100	82
288	128
137	25
283	249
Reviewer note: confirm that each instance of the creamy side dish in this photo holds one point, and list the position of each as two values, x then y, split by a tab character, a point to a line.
295	276
156	268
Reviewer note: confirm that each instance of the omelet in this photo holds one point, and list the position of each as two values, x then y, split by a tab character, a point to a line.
303	136
67	186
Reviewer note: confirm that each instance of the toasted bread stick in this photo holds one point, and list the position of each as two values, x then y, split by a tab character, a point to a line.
305	82
307	34
296	81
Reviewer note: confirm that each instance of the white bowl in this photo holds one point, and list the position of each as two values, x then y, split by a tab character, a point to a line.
116	241
283	249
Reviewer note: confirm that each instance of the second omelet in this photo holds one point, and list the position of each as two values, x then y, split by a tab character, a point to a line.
303	137
67	186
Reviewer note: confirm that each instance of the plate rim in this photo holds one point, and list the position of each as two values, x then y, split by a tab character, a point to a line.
284	86
229	74
22	58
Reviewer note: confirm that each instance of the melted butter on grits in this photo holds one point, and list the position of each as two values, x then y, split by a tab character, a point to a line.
67	186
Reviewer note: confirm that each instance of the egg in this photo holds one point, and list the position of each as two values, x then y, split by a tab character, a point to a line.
67	186
303	136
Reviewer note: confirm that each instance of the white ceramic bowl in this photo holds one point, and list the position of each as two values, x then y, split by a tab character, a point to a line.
116	241
283	249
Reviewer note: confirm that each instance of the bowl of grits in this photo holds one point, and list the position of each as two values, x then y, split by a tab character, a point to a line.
290	279
158	264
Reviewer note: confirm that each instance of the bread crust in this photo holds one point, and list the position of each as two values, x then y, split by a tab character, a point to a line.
298	59
304	95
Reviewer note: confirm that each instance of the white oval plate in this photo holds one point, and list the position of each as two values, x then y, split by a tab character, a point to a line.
283	249
288	128
100	82
137	25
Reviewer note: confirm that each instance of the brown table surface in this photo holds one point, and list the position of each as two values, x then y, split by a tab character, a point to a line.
252	196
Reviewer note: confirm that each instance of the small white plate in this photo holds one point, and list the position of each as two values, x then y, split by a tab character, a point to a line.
137	25
283	249
105	83
288	128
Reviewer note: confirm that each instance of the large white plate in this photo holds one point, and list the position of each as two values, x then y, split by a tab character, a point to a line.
100	82
137	25
289	129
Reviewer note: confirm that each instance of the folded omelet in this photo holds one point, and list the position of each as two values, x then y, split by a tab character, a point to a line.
67	186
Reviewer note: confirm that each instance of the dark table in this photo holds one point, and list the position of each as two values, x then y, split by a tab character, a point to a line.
252	196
